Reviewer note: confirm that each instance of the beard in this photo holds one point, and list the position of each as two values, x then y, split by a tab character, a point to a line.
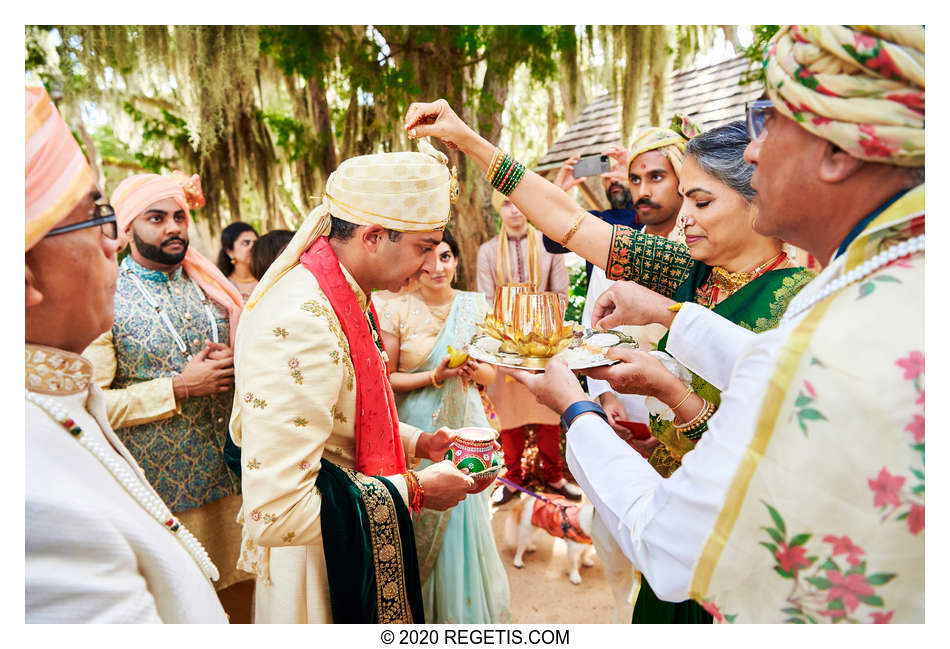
619	200
156	254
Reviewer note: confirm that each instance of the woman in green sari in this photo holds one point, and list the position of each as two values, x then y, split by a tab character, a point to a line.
725	266
463	578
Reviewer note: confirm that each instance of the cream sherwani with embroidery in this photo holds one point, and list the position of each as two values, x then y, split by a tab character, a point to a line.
295	403
93	553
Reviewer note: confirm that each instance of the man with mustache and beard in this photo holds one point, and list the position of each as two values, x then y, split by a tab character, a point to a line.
166	368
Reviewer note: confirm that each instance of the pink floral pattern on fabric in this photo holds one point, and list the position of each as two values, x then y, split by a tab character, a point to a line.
823	589
805	410
718	615
805	65
892	492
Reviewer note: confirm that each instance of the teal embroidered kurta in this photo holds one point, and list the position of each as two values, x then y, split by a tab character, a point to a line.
180	447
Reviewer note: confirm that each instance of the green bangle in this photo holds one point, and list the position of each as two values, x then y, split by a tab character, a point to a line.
506	176
516	177
502	168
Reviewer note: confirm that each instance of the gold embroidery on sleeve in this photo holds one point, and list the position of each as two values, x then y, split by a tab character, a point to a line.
324	311
295	372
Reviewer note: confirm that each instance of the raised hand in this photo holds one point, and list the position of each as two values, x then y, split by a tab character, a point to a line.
565	176
621	155
437	119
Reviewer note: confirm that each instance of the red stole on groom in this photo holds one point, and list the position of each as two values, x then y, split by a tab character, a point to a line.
378	444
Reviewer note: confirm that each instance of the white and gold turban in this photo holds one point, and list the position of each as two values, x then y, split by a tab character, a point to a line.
860	87
407	191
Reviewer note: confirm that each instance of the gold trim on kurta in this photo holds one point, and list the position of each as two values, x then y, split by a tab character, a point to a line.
774	399
907	207
392	601
54	371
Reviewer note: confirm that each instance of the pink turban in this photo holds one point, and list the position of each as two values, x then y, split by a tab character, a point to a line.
133	196
57	174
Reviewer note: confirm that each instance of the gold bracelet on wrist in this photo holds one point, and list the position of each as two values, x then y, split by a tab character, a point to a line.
695	419
437	386
671	409
570	233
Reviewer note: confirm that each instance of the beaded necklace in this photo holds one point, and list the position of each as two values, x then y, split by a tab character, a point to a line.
880	260
132	485
167	321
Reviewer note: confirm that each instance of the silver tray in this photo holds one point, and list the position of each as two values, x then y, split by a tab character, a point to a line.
486	349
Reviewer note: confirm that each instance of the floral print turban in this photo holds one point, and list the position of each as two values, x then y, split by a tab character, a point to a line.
860	87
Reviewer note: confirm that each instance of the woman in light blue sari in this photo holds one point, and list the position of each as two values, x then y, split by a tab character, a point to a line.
463	579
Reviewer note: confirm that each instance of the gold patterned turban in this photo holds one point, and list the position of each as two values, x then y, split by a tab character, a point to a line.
57	174
860	87
671	142
407	191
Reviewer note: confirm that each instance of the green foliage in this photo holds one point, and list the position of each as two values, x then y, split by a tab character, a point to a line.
168	128
577	294
761	35
292	136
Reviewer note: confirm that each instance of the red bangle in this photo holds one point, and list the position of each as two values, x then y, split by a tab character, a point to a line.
416	495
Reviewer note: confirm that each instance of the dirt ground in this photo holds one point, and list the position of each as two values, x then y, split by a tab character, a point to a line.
541	592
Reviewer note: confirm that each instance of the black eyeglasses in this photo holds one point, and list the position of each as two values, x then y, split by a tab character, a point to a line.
756	113
104	218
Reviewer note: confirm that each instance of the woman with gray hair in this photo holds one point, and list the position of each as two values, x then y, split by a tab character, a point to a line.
724	265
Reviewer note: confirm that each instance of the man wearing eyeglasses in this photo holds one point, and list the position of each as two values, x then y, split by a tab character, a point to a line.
100	544
804	500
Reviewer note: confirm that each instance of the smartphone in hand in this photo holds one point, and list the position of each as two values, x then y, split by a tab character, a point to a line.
592	165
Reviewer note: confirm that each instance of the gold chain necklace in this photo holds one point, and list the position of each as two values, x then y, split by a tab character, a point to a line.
732	282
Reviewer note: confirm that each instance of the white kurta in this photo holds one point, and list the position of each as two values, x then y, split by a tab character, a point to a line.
93	554
667	526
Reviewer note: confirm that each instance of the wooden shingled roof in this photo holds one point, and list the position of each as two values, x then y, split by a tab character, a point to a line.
710	95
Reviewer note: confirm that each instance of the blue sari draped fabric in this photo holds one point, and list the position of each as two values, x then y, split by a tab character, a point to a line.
463	579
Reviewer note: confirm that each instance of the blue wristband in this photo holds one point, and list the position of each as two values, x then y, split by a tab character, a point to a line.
578	408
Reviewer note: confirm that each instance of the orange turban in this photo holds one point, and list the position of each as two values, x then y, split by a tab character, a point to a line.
133	196
57	174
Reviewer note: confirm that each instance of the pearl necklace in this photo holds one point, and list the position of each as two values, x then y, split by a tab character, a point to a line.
124	476
890	255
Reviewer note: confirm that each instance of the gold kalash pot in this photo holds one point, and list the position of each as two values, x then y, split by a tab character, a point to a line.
528	323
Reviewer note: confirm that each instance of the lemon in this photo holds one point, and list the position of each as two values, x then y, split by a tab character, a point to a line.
456	357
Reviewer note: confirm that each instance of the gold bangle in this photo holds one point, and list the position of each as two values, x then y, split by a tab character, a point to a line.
675	308
434	384
689	391
496	159
570	233
695	420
